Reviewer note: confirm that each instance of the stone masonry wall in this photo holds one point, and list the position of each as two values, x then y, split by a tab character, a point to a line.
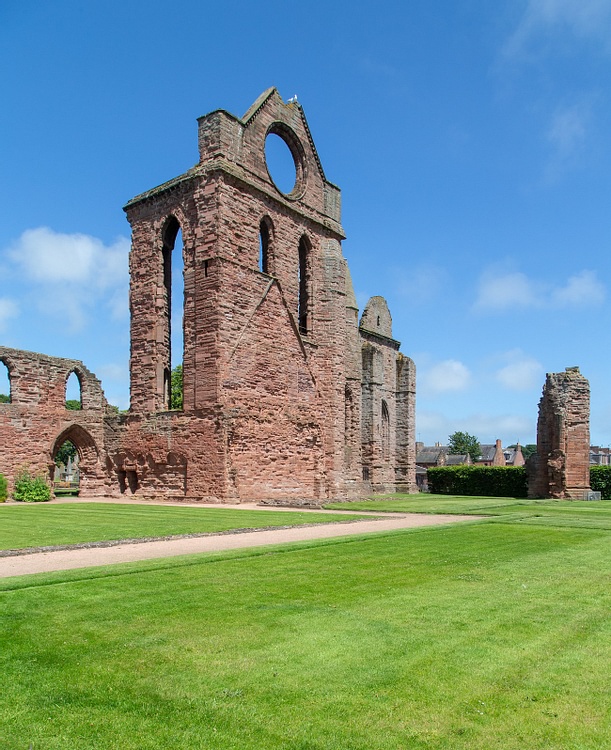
287	398
36	422
388	404
562	466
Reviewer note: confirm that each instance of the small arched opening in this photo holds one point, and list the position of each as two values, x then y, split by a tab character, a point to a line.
385	436
5	383
74	391
66	473
75	459
350	442
265	246
303	306
174	294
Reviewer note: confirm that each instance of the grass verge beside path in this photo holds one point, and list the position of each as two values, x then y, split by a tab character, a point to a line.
485	636
71	523
578	513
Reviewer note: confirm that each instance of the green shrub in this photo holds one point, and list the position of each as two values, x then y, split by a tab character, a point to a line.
30	488
600	480
493	481
3	485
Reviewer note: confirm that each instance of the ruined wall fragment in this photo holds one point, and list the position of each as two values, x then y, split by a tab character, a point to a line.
562	465
36	422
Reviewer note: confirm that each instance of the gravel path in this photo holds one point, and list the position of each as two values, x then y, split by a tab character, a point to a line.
66	559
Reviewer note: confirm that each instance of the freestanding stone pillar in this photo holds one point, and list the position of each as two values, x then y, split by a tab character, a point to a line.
562	465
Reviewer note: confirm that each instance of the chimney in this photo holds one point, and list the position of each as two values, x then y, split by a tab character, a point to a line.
499	456
518	459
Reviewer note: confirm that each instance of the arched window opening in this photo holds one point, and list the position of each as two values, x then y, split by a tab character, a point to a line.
5	384
350	442
264	247
348	411
385	432
303	313
177	389
74	392
281	164
75	455
66	478
173	281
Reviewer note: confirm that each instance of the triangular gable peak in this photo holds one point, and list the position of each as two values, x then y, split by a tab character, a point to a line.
272	99
240	146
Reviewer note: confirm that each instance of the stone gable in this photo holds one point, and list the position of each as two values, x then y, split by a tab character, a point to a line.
286	397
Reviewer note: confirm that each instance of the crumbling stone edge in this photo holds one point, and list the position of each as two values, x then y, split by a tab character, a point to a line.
144	540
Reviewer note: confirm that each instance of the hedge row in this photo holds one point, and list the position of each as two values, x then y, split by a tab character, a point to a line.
492	481
600	480
3	486
500	481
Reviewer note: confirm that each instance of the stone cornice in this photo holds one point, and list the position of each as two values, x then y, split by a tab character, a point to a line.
239	173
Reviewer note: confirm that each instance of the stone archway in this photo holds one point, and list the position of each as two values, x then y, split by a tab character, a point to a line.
90	470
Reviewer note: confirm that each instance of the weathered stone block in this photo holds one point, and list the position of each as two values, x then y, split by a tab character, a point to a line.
562	465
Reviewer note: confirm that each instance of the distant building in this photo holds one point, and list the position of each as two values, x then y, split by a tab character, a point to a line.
514	456
428	456
600	456
491	455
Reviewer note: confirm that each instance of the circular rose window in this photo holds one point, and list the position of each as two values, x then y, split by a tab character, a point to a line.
283	158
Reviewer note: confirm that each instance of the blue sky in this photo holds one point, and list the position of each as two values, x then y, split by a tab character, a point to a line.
470	140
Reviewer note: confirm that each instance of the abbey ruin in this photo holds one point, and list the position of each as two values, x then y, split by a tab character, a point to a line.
561	466
288	396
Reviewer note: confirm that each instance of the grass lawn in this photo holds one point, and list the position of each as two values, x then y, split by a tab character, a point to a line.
38	524
595	514
486	636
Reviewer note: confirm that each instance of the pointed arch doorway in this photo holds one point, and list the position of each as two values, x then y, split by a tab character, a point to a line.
84	459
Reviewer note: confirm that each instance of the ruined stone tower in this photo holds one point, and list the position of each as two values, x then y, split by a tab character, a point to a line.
293	399
288	397
562	465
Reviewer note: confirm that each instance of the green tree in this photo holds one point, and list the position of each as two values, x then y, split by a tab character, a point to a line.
66	451
73	404
176	399
527	450
461	443
4	399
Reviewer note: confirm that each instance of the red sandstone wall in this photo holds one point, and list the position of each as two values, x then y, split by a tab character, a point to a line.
279	393
36	422
270	412
562	466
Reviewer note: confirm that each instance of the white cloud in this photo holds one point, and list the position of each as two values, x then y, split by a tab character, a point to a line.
50	257
506	290
422	283
432	427
584	19
514	290
118	303
379	68
449	375
521	373
8	310
568	128
581	290
567	136
72	273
